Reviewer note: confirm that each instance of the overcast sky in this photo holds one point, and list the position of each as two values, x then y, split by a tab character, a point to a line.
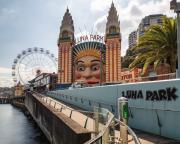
35	23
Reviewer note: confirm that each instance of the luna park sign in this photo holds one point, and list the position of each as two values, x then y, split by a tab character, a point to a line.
91	37
166	94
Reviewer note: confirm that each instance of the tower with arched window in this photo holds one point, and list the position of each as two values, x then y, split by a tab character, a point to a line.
113	47
65	44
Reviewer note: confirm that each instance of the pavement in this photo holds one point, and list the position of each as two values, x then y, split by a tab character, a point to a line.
145	138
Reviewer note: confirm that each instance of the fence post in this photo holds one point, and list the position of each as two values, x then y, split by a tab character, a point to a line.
123	116
96	124
105	138
96	121
112	132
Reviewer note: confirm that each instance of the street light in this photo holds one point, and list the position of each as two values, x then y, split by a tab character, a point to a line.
174	5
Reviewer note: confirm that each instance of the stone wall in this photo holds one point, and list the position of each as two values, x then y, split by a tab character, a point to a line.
58	128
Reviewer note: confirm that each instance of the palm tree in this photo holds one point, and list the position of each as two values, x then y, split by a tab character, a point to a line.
159	43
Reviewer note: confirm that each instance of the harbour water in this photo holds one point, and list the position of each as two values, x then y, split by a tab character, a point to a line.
16	128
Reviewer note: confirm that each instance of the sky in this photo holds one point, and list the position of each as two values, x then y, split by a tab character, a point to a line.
36	23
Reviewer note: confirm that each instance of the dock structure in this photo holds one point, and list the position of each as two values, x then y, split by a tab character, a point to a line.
58	127
4	100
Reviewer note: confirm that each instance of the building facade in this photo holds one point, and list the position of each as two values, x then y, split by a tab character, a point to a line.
147	21
113	47
134	36
19	90
44	82
132	39
65	44
103	58
131	76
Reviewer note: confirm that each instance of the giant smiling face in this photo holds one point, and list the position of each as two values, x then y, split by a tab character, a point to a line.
87	70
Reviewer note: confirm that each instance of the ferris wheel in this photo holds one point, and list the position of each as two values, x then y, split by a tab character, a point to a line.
31	62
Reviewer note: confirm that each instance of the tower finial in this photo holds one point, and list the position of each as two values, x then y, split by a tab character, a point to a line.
112	4
67	10
67	26
113	18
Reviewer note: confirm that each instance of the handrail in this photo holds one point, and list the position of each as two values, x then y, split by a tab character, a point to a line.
99	136
84	99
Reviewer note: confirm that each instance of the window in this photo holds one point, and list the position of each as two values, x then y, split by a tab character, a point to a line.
112	30
65	34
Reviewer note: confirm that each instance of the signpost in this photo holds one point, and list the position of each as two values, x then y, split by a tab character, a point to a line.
123	116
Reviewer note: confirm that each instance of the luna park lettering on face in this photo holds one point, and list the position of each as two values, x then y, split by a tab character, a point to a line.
166	94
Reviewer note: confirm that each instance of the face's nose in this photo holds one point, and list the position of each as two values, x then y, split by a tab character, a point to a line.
87	73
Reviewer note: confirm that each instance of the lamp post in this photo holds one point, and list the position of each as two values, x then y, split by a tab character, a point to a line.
174	5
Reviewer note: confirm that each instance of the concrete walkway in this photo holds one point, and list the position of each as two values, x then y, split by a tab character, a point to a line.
145	138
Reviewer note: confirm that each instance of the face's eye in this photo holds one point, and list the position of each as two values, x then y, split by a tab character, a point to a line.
80	68
95	67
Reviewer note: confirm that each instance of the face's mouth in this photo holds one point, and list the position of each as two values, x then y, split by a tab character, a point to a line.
92	82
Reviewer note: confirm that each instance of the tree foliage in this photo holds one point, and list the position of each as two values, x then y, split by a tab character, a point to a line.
159	43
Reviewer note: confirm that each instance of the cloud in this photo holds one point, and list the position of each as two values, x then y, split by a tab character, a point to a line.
6	15
4	70
145	1
99	5
32	23
6	81
7	12
136	11
5	77
100	24
131	15
126	24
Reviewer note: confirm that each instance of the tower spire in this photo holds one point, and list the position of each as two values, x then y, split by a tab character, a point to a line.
65	44
113	46
67	9
112	4
67	26
112	19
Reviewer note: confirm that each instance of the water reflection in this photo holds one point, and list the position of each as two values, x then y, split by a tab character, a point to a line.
16	128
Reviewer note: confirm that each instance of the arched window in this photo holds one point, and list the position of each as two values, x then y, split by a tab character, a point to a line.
65	34
112	30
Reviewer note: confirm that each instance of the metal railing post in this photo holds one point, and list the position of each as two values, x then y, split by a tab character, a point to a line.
112	132
105	138
96	124
96	121
123	116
